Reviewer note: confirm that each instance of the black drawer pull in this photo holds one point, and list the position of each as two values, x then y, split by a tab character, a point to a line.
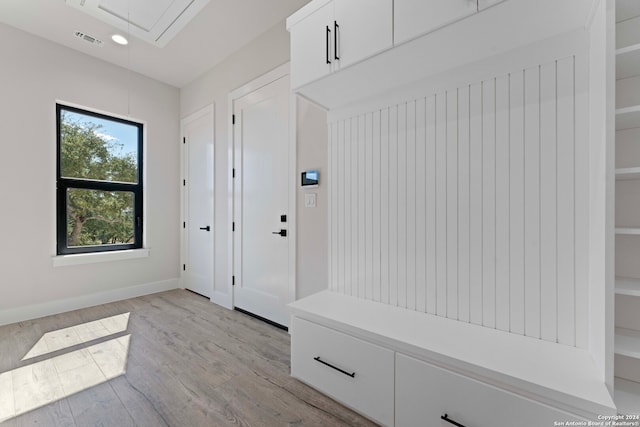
449	420
349	374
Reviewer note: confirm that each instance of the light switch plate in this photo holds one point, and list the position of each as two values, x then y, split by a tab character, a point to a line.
310	200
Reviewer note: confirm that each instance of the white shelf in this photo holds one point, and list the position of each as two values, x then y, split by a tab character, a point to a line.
628	61
627	396
630	231
628	286
628	117
627	173
627	343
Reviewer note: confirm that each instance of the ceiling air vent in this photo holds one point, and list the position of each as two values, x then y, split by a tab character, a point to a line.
154	21
88	38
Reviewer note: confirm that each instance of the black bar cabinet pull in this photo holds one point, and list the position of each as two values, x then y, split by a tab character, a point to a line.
207	228
336	27
449	420
349	374
327	44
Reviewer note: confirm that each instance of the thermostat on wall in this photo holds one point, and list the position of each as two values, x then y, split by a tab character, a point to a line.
310	179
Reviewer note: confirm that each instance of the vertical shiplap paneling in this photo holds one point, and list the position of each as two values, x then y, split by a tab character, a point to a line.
353	228
393	206
441	204
368	205
410	292
516	202
430	195
385	207
332	178
344	134
362	211
581	181
464	197
532	201
402	206
566	207
489	203
502	203
376	209
452	203
463	204
421	207
475	207
548	203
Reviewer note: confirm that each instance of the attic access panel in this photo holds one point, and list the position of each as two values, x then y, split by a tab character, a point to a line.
154	21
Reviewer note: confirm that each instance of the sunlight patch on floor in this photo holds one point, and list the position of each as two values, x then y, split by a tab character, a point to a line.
78	334
29	387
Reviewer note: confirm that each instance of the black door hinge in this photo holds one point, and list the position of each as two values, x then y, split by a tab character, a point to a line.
233	119
184	140
184	182
184	267
233	280
233	173
233	226
184	225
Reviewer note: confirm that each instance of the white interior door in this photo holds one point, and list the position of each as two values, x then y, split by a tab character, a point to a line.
261	197
198	202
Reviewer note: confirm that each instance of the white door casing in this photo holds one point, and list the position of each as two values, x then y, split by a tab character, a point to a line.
198	201
262	152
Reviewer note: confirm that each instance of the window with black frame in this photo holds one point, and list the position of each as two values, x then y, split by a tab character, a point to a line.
99	182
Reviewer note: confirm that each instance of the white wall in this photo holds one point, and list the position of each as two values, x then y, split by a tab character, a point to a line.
263	54
34	74
312	245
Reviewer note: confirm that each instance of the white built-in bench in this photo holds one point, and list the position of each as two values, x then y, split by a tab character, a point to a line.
404	368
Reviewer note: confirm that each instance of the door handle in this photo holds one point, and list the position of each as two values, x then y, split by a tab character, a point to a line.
282	232
207	228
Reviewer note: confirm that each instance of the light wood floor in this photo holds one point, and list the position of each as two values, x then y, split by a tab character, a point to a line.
186	362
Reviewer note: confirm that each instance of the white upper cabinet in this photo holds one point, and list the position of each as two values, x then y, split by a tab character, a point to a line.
311	45
483	4
364	28
328	35
416	17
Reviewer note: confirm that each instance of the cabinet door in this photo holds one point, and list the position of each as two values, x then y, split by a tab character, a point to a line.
364	28
424	393
483	4
311	47
355	372
416	17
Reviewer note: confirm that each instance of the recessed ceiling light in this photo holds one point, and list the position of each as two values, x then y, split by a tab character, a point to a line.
120	39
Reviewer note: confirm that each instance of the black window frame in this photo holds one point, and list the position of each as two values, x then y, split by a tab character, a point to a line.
63	184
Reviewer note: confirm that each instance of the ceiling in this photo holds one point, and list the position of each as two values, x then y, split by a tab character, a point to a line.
218	30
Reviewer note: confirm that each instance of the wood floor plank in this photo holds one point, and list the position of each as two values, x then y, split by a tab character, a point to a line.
56	414
99	406
188	363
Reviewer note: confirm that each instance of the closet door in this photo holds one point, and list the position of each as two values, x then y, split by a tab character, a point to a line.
416	17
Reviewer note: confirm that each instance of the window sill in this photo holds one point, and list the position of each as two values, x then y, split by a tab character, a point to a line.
77	259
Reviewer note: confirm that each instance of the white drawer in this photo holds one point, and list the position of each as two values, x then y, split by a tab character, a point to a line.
369	390
424	393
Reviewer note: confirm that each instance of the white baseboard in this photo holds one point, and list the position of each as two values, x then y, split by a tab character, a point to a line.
35	311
